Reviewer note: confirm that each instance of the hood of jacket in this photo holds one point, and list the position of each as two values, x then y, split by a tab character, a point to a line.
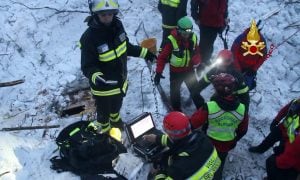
228	103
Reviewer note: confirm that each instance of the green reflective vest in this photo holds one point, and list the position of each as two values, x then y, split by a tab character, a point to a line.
223	124
172	3
291	124
181	59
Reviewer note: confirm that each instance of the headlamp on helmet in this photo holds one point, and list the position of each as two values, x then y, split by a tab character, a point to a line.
185	26
225	57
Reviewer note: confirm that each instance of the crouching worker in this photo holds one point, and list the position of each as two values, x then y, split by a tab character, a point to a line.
224	118
285	128
191	155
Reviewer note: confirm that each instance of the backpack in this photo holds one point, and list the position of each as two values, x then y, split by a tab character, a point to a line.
85	152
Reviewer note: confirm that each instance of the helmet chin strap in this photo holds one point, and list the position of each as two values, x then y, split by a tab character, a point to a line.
90	2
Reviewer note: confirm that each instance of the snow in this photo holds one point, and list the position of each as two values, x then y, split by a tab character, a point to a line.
38	43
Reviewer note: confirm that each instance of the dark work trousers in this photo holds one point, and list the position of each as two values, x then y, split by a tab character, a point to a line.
275	173
208	36
218	174
166	33
273	137
106	105
189	78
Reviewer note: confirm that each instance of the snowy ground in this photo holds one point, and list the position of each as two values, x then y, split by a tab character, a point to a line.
38	43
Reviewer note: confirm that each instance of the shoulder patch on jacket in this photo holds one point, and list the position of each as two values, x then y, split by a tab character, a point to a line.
102	48
122	37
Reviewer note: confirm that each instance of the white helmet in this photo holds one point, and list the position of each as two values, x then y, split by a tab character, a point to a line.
103	5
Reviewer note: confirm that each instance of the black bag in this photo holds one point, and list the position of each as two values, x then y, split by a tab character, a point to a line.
85	152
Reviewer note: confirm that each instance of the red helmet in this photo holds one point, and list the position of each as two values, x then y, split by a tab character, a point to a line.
224	84
176	125
226	56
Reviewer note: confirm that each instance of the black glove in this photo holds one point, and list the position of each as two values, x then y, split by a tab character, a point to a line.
273	125
100	81
150	56
278	150
157	78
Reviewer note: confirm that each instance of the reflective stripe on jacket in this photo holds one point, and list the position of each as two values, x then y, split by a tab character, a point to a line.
112	54
206	172
179	58
172	3
222	124
291	124
111	92
210	167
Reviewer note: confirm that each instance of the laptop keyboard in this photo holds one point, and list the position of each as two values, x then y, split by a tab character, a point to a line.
145	144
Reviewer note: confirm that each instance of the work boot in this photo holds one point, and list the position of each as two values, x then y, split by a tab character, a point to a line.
257	149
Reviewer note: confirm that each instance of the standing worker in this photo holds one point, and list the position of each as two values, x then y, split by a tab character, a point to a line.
171	11
191	155
104	50
211	17
249	52
182	47
284	163
224	64
224	118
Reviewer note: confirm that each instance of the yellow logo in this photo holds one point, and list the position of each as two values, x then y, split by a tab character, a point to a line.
253	45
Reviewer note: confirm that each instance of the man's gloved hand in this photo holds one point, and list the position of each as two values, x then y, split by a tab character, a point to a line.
101	81
150	56
157	78
273	125
278	150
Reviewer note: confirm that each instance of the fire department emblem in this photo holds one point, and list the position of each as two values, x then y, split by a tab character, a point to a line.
253	45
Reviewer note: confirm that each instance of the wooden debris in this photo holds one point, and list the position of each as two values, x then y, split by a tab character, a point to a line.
29	128
12	83
4	173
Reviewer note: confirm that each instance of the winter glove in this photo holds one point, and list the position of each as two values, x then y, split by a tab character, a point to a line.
157	78
150	56
100	81
250	80
278	150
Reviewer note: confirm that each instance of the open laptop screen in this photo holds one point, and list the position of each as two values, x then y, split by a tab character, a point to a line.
142	126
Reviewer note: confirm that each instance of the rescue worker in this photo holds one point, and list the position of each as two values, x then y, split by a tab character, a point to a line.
249	52
224	118
171	11
224	64
281	128
211	17
104	50
285	128
191	154
182	47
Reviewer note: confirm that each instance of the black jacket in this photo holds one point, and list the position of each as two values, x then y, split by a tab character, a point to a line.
197	149
99	38
170	15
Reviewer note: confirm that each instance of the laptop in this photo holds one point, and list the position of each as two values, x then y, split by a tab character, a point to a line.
136	129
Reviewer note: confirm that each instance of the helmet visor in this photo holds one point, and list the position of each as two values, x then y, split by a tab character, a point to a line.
107	12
